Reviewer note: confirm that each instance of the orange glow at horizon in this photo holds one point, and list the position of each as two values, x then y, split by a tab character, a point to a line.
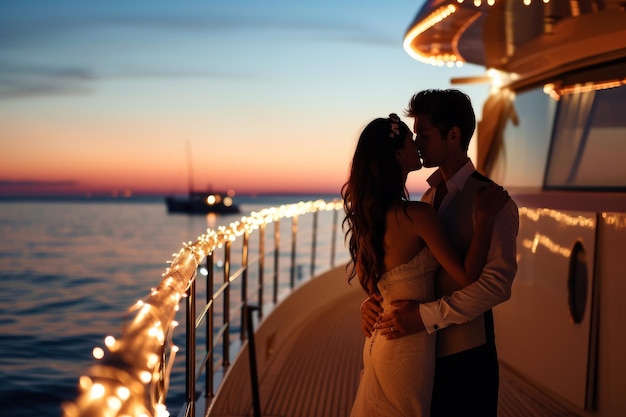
83	178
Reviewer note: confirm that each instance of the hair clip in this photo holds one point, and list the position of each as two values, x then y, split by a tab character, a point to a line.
395	127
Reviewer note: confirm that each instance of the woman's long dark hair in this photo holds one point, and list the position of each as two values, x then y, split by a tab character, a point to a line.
376	182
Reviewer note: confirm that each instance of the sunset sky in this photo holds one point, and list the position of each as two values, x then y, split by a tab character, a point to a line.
268	96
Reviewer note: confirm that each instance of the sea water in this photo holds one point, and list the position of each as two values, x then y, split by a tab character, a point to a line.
69	272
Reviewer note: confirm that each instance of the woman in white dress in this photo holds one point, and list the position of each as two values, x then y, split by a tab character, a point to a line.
396	245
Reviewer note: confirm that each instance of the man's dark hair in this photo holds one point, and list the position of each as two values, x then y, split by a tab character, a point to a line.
446	108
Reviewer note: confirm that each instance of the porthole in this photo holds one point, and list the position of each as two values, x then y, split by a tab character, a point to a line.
577	283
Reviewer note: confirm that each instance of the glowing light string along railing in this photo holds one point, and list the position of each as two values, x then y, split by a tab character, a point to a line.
132	376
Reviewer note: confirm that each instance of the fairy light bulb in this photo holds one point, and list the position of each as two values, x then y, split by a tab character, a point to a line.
97	352
123	393
114	403
85	382
145	377
109	341
97	391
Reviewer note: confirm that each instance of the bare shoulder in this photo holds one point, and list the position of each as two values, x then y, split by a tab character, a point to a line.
413	210
419	206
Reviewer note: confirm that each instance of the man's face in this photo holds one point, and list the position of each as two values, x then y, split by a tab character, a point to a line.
430	145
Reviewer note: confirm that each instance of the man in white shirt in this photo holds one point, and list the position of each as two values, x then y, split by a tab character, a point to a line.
466	371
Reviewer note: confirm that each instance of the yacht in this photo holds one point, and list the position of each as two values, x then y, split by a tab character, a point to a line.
202	202
552	131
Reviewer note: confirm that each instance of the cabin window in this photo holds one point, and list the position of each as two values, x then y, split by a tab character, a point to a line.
589	142
525	152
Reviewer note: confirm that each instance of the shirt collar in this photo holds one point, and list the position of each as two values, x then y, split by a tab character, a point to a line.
457	181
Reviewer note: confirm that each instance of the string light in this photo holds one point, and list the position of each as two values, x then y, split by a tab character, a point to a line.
431	20
478	3
433	56
557	91
131	377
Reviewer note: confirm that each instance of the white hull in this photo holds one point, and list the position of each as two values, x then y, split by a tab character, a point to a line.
580	362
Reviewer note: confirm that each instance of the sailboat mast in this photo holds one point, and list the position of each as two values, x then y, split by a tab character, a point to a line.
189	167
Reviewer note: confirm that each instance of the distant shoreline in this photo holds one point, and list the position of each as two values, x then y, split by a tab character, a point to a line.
241	198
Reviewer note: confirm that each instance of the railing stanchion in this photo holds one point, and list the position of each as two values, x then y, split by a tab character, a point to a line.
210	326
226	312
314	243
190	340
244	283
276	256
261	267
254	379
294	235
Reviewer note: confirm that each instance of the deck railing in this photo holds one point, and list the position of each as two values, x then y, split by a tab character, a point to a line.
132	376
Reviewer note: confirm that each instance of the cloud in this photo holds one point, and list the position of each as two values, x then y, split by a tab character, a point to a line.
24	81
18	81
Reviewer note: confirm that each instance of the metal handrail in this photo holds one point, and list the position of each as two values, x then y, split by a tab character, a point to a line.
133	373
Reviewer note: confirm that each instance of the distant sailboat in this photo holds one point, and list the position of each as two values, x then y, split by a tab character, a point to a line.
201	202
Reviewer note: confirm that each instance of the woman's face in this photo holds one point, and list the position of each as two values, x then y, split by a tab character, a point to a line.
407	155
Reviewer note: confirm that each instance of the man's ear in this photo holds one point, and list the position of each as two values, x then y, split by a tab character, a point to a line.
454	134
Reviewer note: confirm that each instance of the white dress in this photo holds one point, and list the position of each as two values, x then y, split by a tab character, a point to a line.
397	375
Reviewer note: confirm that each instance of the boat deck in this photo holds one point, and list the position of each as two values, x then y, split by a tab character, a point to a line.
316	373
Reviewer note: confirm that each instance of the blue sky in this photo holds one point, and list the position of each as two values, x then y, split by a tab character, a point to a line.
103	96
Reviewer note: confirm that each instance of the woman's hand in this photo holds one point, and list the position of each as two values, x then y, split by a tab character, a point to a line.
403	320
491	199
370	313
